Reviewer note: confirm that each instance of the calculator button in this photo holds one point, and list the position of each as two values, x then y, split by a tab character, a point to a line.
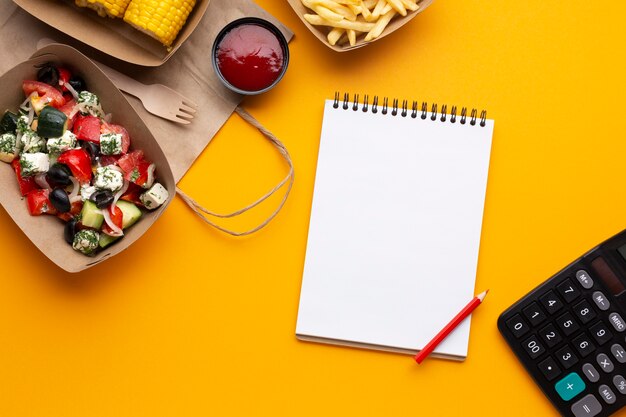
567	323
588	406
605	363
584	279
567	357
533	347
550	369
606	394
584	312
550	335
617	321
583	345
551	302
618	352
517	326
600	300
570	386
591	373
568	291
601	333
620	384
534	314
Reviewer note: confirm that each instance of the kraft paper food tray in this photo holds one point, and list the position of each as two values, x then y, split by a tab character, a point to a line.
111	36
46	231
320	32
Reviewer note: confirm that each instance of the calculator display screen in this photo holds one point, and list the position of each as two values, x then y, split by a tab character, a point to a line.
606	274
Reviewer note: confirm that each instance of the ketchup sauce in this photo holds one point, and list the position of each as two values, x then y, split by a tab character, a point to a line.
250	57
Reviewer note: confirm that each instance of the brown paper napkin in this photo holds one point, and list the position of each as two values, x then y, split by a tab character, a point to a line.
189	71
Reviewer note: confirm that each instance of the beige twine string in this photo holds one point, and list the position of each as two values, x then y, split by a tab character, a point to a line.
201	211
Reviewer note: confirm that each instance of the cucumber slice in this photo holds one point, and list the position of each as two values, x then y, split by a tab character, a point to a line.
106	240
90	215
131	213
52	123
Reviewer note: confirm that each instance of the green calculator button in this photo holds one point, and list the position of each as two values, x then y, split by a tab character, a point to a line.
570	386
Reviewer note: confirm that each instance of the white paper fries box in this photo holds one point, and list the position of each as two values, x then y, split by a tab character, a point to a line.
321	32
46	231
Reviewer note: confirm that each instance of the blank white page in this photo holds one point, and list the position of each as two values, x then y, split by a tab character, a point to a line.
395	230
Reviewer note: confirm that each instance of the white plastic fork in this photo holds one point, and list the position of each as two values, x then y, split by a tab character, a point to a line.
157	99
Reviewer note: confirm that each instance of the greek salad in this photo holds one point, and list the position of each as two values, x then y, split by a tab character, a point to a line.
71	162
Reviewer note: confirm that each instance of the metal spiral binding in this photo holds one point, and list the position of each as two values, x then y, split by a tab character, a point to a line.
403	109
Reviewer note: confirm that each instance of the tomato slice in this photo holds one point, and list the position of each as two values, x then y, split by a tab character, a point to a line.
51	94
39	203
116	217
77	206
111	128
67	109
136	169
27	184
64	77
130	160
87	128
79	162
105	160
143	175
132	194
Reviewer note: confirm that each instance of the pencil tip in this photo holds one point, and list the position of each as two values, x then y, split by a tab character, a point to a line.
482	295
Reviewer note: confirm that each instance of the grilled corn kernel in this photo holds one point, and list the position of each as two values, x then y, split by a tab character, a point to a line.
161	19
111	8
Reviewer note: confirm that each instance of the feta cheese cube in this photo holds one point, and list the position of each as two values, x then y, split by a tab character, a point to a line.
86	241
66	142
89	103
34	163
86	191
32	142
154	197
8	148
108	178
111	144
23	124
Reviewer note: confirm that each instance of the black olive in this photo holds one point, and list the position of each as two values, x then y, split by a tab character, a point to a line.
102	198
49	75
92	149
70	230
59	174
78	83
59	199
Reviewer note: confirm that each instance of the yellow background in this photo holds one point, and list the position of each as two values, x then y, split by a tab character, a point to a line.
190	322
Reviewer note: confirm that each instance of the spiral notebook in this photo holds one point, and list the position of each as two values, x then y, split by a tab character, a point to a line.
395	224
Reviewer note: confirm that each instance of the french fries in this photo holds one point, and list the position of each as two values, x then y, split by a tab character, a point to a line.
348	19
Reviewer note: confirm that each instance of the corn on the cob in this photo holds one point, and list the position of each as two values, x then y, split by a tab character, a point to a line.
111	8
161	19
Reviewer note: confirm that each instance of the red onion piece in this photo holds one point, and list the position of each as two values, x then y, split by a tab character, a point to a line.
41	181
116	231
120	192
75	188
70	89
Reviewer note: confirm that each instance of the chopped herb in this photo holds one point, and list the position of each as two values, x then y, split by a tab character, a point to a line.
7	143
134	175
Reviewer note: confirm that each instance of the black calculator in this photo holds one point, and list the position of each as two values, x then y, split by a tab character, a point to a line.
570	332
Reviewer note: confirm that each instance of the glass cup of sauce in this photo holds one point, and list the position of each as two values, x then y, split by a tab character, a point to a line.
250	55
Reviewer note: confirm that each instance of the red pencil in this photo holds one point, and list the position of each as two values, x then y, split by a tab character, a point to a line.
467	310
